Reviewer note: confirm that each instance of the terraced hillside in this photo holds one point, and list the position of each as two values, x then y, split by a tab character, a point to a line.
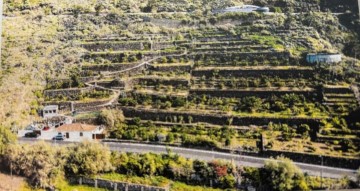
185	76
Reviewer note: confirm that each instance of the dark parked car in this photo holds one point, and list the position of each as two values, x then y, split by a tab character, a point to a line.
32	135
58	138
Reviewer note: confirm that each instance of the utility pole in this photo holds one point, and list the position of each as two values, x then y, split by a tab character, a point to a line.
359	7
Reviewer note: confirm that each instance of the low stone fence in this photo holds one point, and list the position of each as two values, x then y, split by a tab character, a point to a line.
115	185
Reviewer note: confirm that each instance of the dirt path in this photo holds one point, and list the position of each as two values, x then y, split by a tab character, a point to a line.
8	183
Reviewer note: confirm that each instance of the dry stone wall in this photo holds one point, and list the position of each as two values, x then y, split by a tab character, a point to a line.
281	73
70	92
164	115
171	68
115	185
113	46
109	67
243	93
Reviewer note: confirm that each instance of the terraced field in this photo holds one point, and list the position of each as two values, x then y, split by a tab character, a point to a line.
231	84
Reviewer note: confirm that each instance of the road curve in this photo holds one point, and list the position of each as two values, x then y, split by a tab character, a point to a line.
242	160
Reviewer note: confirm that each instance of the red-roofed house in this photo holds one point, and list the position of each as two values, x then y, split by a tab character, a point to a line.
79	131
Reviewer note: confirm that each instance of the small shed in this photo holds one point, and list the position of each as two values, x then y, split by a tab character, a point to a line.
323	58
50	111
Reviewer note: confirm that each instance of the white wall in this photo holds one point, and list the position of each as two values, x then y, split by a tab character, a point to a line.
75	136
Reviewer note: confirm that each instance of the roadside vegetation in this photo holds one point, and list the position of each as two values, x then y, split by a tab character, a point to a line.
46	166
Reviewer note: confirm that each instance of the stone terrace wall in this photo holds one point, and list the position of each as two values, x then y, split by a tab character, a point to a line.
161	45
171	68
249	56
167	82
111	67
63	105
337	90
166	22
244	93
70	92
115	185
113	46
164	115
315	159
281	73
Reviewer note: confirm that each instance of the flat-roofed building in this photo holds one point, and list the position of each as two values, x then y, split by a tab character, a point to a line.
50	111
323	58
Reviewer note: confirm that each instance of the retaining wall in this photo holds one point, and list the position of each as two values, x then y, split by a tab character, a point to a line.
110	67
70	92
102	46
337	90
244	93
115	185
281	73
315	159
165	115
171	68
164	81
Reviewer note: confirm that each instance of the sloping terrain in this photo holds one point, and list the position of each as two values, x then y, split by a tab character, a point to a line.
210	80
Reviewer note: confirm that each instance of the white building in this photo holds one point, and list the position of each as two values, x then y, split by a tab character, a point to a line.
243	9
50	111
323	58
80	132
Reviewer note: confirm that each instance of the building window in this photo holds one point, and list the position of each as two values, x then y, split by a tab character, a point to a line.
81	134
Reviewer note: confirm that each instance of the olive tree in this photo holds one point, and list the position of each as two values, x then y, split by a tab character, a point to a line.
88	158
281	175
111	118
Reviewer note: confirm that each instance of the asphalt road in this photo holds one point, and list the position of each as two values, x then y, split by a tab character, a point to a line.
243	160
